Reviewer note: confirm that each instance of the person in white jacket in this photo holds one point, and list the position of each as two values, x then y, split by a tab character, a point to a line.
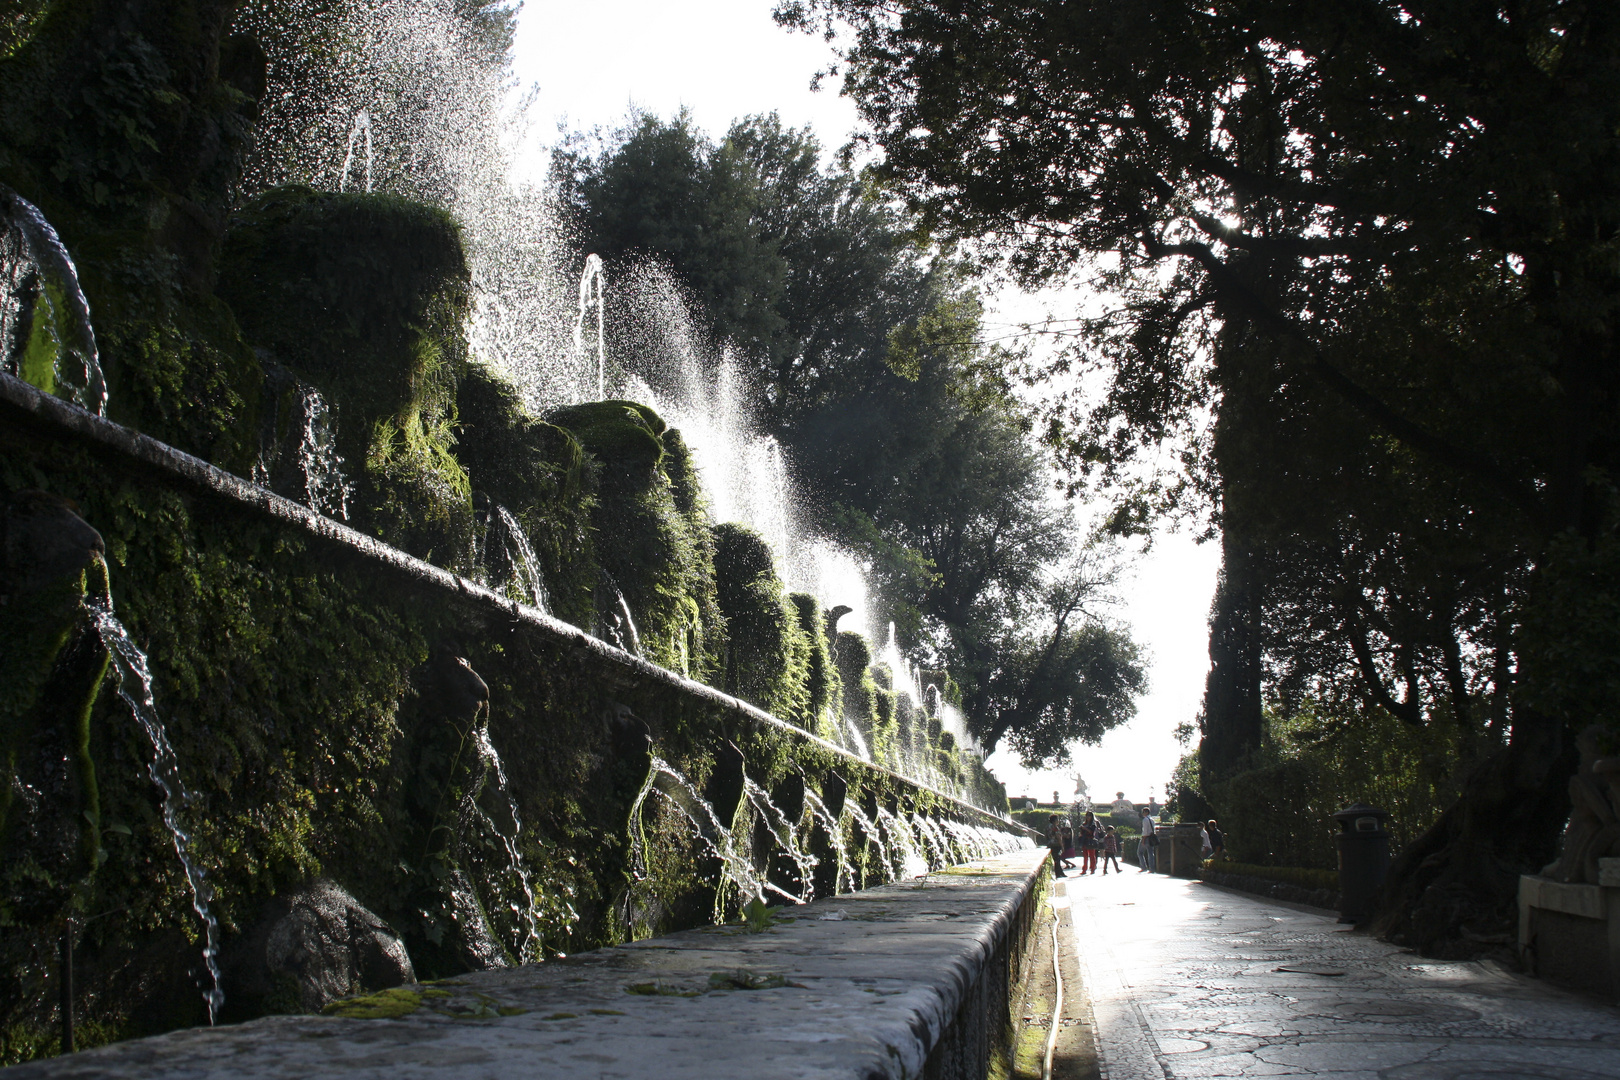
1147	849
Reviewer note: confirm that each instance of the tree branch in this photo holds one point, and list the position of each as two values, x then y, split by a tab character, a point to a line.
1408	711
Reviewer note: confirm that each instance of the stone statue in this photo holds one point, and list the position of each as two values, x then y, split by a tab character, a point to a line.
1593	832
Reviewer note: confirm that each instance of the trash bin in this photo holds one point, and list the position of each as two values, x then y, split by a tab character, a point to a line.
1363	859
1186	849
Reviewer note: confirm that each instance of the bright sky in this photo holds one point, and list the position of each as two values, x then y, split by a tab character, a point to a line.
724	59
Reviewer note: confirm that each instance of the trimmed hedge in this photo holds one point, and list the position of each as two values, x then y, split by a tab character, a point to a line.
1304	877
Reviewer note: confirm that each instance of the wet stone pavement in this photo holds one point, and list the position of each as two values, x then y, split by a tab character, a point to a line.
1188	980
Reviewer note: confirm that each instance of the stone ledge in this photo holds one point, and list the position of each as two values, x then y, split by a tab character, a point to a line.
1571	899
865	985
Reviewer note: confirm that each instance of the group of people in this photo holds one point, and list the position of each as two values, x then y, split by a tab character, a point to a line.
1091	839
1086	842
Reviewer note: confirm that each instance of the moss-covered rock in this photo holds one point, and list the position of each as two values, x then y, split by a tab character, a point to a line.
365	297
540	474
651	539
853	658
767	654
824	701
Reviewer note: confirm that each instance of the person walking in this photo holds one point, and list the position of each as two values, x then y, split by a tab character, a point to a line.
1110	850
1068	846
1054	842
1147	849
1217	841
1089	831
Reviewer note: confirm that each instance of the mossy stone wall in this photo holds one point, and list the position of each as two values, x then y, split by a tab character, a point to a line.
297	679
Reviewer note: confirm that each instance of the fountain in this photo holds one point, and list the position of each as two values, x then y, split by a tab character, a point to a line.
785	833
529	948
835	838
45	332
299	415
524	562
295	646
135	687
592	282
717	838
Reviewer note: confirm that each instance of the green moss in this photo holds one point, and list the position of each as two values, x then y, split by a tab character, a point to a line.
620	433
365	297
539	473
824	688
853	657
767	654
383	1005
658	554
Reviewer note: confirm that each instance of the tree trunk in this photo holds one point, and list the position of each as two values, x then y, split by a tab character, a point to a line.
1453	892
1232	720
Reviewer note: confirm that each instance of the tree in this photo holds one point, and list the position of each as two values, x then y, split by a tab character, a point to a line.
1070	680
1392	218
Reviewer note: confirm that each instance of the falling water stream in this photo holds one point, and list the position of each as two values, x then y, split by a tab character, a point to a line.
787	840
592	282
525	564
912	863
46	336
734	865
135	687
835	837
527	916
362	126
872	834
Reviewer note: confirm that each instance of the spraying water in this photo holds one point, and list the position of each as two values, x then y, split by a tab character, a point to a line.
735	868
592	281
135	687
46	337
525	564
316	478
835	836
362	127
873	834
912	864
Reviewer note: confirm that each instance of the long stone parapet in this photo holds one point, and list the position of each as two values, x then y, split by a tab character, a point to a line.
900	981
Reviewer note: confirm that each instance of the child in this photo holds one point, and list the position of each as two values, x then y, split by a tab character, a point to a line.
1068	846
1110	850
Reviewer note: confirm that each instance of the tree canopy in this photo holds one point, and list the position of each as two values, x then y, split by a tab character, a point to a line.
1377	239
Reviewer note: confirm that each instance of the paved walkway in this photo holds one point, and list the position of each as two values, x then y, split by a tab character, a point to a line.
1187	980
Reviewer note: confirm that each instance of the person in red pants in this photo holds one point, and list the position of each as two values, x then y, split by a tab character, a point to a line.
1088	843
